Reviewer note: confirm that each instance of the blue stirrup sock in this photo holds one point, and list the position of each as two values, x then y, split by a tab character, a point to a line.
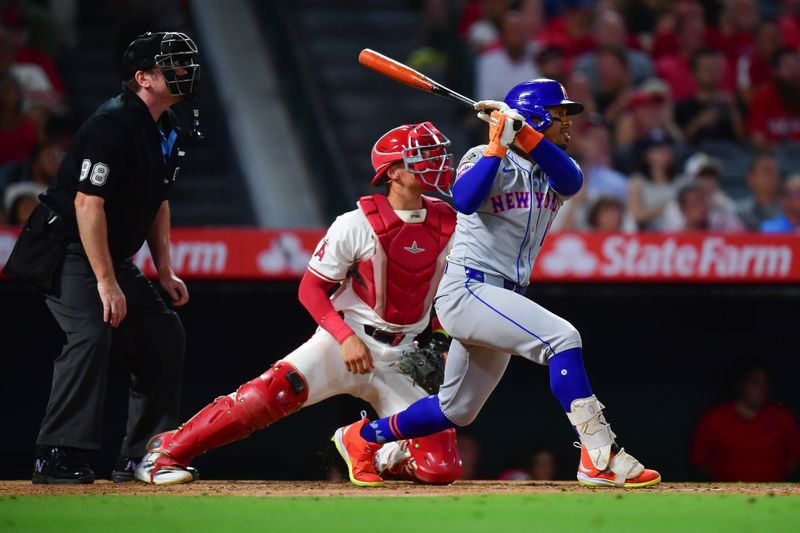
421	418
568	379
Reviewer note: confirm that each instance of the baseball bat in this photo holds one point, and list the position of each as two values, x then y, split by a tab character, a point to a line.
405	74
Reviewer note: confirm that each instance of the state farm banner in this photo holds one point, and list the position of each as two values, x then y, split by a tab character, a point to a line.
665	257
256	254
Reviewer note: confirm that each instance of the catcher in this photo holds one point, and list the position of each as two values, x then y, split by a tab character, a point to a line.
387	258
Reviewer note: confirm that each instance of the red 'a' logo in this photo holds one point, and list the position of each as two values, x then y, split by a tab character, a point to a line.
319	254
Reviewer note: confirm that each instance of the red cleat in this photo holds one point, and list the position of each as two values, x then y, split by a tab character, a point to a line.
623	471
358	453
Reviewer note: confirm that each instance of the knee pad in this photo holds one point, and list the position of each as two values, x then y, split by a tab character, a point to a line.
278	392
436	458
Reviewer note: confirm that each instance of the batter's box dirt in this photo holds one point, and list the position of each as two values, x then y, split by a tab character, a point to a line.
392	488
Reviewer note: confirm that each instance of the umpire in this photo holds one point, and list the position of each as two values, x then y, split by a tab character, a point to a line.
110	196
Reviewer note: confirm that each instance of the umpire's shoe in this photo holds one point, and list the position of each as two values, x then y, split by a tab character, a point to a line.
60	465
124	468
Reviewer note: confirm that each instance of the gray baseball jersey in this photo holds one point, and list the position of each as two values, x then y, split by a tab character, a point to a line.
505	234
489	323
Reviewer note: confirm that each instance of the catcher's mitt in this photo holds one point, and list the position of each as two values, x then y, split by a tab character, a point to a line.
425	365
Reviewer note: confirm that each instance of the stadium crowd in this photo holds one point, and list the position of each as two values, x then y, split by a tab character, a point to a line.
692	117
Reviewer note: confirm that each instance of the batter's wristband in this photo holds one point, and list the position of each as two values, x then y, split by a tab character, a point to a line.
441	331
528	138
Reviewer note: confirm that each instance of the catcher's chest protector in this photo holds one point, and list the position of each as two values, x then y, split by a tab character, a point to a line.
400	280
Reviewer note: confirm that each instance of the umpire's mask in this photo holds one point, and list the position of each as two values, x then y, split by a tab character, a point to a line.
170	51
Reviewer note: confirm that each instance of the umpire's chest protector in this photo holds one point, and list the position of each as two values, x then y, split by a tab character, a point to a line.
400	280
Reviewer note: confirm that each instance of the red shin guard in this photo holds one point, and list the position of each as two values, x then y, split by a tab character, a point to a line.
276	393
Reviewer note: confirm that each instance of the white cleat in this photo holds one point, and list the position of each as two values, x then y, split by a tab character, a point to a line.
164	475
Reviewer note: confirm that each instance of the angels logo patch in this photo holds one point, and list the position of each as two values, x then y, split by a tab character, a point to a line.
320	253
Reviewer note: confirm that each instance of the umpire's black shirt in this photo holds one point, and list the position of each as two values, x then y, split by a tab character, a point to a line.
123	156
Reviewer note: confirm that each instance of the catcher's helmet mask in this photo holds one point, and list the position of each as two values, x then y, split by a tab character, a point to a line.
423	150
532	98
169	51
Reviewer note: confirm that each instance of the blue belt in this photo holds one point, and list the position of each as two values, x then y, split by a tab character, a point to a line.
491	279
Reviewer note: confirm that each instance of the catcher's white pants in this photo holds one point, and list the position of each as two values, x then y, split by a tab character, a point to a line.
488	324
385	388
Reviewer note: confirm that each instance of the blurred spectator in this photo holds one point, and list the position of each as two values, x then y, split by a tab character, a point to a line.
653	187
607	213
571	31
17	131
613	86
738	26
579	91
755	68
789	219
707	170
34	21
20	199
480	21
764	180
789	23
748	439
541	466
676	67
648	113
600	181
551	64
775	108
29	177
609	30
711	113
470	456
670	22
498	70
695	205
34	70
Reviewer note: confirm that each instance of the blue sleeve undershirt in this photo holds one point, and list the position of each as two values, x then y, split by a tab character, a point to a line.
472	188
563	174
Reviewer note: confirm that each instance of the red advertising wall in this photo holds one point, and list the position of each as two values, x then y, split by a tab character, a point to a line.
222	253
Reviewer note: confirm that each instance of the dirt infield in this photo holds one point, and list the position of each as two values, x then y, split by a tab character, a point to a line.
392	488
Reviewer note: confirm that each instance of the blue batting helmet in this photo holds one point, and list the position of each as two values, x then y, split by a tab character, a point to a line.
531	98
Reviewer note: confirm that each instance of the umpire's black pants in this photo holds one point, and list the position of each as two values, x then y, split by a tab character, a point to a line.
150	341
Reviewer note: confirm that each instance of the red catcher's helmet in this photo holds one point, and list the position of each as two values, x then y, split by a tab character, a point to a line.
423	150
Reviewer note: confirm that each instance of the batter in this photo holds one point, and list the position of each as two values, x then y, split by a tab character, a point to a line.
507	197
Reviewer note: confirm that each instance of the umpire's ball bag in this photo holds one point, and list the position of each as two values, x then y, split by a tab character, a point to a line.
39	252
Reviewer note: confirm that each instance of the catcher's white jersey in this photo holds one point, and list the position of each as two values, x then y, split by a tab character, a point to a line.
351	239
